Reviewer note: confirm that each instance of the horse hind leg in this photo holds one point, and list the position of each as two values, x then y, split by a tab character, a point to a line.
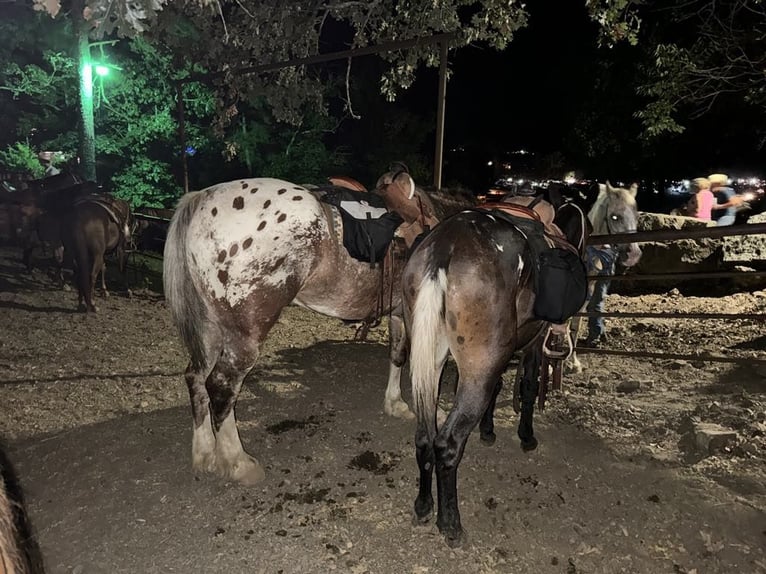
98	267
474	396
223	385
573	363
393	404
104	291
487	424
528	389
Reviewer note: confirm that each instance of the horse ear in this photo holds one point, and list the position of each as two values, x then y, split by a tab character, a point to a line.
405	180
554	197
633	189
608	186
602	188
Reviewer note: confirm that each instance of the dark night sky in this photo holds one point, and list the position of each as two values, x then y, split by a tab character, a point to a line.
525	95
529	95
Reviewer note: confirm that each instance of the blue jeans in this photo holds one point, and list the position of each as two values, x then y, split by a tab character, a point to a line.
597	298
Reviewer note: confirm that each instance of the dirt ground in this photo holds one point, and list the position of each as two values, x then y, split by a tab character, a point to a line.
95	417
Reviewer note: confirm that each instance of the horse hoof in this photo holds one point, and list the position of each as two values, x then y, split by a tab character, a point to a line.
399	410
488	439
247	472
424	512
456	539
528	444
106	293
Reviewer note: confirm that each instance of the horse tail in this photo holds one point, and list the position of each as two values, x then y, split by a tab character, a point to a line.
187	306
82	257
428	346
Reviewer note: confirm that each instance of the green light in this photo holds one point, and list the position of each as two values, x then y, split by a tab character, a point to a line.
102	71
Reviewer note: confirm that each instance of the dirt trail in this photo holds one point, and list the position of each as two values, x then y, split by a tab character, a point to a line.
97	421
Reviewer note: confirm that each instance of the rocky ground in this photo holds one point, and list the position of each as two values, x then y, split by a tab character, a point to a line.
645	465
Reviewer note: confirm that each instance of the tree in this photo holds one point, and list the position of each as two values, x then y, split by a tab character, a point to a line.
703	52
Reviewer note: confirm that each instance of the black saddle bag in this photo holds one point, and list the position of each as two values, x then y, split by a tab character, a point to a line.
368	227
562	285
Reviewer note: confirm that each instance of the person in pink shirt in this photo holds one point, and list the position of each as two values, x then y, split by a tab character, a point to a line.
701	204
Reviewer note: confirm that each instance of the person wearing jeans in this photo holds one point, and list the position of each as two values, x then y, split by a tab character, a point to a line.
601	261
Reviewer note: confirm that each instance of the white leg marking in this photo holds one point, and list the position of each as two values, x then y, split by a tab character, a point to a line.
231	459
393	404
203	447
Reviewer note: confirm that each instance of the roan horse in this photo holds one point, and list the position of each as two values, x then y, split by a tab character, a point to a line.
94	226
236	255
614	211
469	290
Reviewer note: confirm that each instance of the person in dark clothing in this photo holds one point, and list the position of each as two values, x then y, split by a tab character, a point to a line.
726	198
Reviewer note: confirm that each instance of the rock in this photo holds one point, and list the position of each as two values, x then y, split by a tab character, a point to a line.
692	256
678	364
711	438
746	248
630	386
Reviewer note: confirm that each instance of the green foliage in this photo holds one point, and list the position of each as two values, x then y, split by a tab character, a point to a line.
272	148
146	183
21	158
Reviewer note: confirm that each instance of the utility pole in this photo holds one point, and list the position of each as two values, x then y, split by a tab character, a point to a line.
85	73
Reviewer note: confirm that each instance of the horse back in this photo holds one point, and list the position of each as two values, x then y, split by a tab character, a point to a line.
256	240
487	265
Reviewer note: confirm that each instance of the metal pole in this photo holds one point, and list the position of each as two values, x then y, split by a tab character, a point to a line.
673	234
677	356
440	112
182	133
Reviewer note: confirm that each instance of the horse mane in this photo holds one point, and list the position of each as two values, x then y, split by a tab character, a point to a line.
446	202
598	212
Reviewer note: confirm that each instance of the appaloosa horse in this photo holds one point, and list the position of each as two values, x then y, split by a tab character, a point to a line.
469	289
95	226
236	255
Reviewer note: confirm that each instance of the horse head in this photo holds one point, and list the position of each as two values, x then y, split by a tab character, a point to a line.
615	211
402	196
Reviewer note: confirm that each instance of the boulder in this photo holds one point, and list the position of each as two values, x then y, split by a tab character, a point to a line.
740	253
746	249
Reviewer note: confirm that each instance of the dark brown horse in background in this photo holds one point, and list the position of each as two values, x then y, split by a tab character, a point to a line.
31	217
469	290
95	226
49	198
237	254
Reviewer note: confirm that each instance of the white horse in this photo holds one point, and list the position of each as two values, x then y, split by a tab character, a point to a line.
615	211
